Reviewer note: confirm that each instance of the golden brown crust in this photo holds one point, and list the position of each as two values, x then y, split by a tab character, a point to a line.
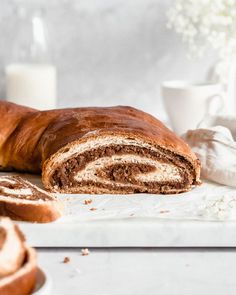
22	281
42	213
39	135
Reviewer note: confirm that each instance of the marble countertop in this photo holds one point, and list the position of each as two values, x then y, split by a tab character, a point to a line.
202	217
141	271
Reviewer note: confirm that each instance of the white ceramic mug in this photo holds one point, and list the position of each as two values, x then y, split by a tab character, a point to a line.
187	104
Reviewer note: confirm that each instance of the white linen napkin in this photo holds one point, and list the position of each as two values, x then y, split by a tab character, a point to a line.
215	146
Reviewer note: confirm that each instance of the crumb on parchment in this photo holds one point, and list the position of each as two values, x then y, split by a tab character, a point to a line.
93	209
164	211
85	252
87	202
66	259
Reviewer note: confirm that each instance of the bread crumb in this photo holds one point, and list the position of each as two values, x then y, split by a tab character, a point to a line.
87	202
93	209
164	211
85	252
66	259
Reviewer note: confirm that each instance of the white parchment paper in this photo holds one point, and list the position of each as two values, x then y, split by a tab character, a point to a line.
210	201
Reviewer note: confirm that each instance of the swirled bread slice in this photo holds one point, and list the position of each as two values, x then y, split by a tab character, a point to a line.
21	200
17	261
12	251
23	281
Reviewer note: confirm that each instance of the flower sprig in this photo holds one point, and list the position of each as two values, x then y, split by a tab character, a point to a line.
204	24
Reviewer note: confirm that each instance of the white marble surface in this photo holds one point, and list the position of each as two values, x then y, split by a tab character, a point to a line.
150	233
141	271
205	216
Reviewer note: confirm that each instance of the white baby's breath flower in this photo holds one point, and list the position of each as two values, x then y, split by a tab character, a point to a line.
205	24
221	209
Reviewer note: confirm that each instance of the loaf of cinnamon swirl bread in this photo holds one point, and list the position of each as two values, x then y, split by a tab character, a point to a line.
21	200
115	150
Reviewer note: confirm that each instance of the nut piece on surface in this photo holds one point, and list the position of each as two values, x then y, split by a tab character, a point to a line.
87	202
66	259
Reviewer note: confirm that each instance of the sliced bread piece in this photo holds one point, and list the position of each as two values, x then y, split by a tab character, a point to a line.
18	264
21	200
12	250
22	281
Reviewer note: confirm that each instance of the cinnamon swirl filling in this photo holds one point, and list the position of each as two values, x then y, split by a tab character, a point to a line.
127	168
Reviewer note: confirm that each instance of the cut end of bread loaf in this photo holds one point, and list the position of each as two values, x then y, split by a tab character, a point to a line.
21	200
120	164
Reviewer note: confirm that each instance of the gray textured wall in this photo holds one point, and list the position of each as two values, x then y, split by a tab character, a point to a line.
107	52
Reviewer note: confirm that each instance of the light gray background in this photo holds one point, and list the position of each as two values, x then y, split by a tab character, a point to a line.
107	52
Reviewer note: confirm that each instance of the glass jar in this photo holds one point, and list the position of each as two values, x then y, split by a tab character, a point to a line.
31	77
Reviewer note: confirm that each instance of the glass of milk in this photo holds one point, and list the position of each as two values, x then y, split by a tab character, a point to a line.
31	77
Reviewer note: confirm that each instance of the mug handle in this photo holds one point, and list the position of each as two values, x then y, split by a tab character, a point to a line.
209	104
